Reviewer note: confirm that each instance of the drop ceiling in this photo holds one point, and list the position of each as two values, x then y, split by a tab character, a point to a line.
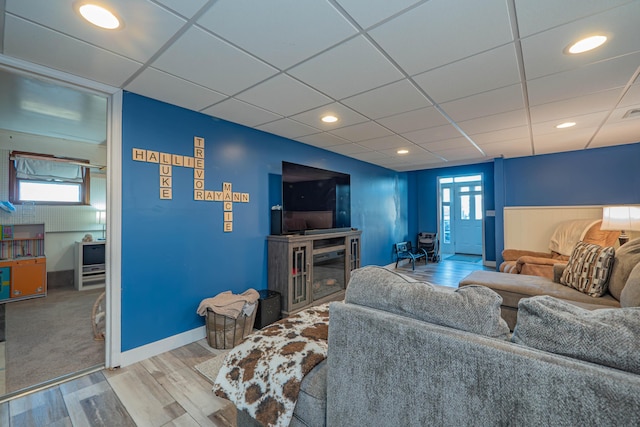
451	81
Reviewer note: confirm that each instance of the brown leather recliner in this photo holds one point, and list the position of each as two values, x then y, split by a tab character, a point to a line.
563	239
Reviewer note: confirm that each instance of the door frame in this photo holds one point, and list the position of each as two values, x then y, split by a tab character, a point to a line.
439	208
114	189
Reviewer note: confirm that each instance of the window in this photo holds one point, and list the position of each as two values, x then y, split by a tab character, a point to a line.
45	179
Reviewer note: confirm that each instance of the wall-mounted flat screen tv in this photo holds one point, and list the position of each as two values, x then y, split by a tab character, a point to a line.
314	199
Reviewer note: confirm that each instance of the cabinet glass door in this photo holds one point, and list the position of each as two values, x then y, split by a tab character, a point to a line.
300	277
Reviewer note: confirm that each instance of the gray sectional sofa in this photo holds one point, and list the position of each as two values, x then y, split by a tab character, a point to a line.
405	353
623	285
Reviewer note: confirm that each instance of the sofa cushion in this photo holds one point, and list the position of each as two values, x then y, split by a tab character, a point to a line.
626	258
609	337
513	288
473	308
588	269
630	296
311	406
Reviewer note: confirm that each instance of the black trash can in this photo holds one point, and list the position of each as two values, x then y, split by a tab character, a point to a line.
268	308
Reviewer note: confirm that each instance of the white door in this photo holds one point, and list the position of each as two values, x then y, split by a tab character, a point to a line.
461	207
467	227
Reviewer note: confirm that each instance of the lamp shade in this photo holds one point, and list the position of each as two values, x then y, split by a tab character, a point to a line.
101	217
625	218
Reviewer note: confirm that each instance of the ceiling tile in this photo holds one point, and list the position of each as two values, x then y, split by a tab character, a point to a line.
368	156
568	108
517	133
463	153
288	128
240	112
447	144
555	142
228	71
185	8
485	104
472	75
391	162
618	131
414	120
284	95
323	140
426	30
416	153
511	148
432	134
585	121
618	115
173	90
632	97
543	53
591	78
346	116
539	15
369	12
348	149
393	98
140	17
361	131
362	68
282	33
392	141
494	122
39	45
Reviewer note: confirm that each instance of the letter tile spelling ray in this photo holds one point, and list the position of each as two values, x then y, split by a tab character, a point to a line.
167	161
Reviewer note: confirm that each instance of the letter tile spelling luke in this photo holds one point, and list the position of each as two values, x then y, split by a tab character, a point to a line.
168	161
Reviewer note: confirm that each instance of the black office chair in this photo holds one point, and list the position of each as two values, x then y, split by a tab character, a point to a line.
404	250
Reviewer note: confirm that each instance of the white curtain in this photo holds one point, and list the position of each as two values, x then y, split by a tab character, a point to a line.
48	170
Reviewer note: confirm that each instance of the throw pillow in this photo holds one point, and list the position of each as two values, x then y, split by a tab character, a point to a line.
588	269
609	337
471	308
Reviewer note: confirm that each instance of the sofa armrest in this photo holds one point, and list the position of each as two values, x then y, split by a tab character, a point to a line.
514	254
558	269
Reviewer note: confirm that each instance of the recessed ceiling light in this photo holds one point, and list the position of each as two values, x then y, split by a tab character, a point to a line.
566	125
99	16
586	44
403	151
329	119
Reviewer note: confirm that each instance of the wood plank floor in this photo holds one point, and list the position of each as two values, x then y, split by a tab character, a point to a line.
164	390
445	272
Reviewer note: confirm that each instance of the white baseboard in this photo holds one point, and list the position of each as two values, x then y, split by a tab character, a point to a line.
489	264
153	349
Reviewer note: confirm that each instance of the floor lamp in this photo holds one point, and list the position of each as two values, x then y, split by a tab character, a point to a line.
623	218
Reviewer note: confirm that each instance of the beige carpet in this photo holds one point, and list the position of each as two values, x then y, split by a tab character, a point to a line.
50	337
210	368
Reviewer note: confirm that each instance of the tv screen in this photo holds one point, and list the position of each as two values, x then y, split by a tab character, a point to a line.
93	254
314	198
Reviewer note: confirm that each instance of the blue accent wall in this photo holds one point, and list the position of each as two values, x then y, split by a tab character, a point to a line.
175	252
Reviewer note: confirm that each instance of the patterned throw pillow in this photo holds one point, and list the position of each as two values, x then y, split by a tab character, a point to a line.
588	269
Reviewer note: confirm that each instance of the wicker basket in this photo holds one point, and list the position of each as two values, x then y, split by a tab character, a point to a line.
226	332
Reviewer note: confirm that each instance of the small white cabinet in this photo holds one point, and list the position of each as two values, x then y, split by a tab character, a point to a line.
90	265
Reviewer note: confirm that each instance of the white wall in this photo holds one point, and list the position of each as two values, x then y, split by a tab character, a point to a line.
64	225
531	227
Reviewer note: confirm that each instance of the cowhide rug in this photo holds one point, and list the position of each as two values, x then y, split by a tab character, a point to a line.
262	375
